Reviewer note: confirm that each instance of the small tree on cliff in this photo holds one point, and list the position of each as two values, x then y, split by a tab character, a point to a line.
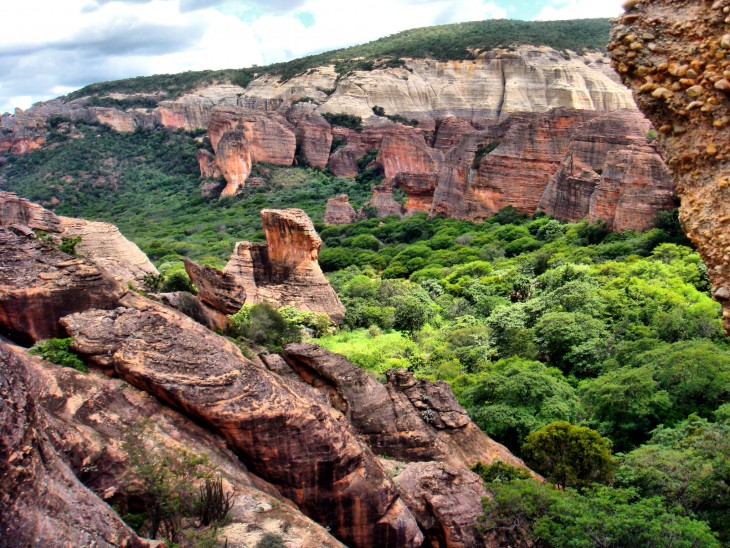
569	455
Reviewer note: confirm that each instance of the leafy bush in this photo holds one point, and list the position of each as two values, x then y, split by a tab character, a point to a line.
59	351
344	120
262	324
271	540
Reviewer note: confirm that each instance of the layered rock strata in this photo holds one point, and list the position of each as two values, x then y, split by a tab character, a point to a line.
100	243
319	463
42	503
40	284
675	55
93	422
103	244
427	441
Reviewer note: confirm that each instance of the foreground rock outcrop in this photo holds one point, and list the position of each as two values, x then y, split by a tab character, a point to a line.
319	463
93	422
429	441
675	55
100	243
42	503
40	284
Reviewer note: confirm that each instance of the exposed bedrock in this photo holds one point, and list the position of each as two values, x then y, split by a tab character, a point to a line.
675	55
339	211
425	438
40	284
100	243
42	503
286	438
89	420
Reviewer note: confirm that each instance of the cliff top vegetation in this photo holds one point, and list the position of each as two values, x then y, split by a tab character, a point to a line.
443	42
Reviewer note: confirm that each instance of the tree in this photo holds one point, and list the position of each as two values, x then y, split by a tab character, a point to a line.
569	455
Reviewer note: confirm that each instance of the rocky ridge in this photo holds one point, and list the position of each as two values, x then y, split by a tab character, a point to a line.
304	422
675	55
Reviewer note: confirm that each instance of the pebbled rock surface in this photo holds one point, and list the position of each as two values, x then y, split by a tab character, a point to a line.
287	439
675	56
40	284
42	503
285	271
339	211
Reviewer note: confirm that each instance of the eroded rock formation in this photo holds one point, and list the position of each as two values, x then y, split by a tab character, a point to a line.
220	290
339	211
285	271
675	55
100	243
42	503
319	463
427	438
40	284
103	244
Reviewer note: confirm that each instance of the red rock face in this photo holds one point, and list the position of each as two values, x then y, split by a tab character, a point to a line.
19	211
285	271
241	136
290	440
208	167
313	133
42	503
40	285
674	55
339	211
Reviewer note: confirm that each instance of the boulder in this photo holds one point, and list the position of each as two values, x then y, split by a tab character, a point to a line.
339	211
217	289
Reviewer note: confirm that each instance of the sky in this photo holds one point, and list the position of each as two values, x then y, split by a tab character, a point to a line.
51	47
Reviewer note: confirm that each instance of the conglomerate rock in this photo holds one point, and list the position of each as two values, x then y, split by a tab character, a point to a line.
286	438
675	55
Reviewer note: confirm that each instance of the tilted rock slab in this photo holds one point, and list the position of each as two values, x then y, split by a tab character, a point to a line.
675	55
429	441
40	284
285	271
42	503
291	441
103	244
220	290
91	417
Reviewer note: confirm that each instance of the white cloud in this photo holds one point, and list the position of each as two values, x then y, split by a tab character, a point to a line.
579	9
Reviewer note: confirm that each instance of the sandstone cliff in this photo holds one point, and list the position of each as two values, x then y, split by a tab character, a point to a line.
339	211
675	55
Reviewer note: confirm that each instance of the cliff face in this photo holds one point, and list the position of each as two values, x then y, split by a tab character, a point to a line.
548	119
675	55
